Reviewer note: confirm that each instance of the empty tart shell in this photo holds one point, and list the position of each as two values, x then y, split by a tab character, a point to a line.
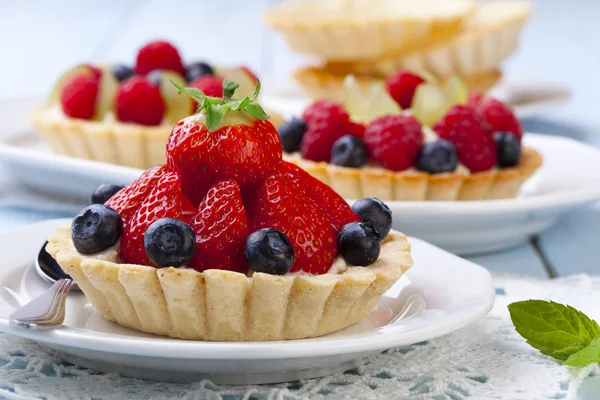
488	39
108	141
222	305
327	82
357	183
362	29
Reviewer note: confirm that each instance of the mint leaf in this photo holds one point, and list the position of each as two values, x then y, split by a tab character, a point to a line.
229	88
214	116
256	111
587	355
554	329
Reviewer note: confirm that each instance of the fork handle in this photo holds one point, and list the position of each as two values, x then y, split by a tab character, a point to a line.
45	311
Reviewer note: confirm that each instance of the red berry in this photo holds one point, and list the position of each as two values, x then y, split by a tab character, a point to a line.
394	141
165	200
139	101
499	117
78	96
247	154
211	85
327	122
158	55
221	229
464	128
475	98
279	204
402	85
127	200
357	129
326	199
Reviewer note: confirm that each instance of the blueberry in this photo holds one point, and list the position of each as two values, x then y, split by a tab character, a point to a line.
437	157
291	133
198	69
169	242
359	243
104	192
349	151
508	148
155	77
269	251
122	72
95	229
375	212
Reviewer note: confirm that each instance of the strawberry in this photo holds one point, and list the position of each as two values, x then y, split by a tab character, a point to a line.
245	148
325	198
402	86
221	229
499	117
127	200
279	204
165	200
464	128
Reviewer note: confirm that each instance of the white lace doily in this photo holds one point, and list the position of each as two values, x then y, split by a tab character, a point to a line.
486	360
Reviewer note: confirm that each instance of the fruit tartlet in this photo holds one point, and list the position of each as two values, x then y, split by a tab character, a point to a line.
228	242
412	140
123	115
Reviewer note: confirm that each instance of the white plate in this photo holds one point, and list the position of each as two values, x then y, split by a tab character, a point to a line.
456	292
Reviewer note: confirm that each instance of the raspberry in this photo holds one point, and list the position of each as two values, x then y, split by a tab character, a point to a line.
211	85
394	141
464	128
158	55
474	98
139	101
499	117
78	96
357	130
327	122
402	85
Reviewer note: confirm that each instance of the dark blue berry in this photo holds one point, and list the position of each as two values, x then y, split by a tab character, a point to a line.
508	147
197	70
155	77
95	229
375	212
269	251
122	72
349	151
104	192
359	243
291	133
437	157
169	242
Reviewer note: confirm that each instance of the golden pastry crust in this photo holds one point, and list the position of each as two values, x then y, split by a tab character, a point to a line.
327	82
228	306
113	142
355	29
357	183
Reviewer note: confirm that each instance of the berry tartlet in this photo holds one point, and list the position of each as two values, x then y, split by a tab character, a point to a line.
228	242
123	115
412	140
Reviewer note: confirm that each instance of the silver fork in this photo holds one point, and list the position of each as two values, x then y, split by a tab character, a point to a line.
45	311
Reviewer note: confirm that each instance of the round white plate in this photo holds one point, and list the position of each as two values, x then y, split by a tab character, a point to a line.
456	293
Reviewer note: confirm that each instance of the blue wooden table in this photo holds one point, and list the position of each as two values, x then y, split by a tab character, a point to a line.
40	39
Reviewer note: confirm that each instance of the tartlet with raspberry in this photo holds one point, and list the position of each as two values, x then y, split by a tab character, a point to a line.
228	242
414	140
123	115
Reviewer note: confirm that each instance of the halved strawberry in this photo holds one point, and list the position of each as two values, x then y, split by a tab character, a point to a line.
279	204
127	200
325	198
165	200
221	229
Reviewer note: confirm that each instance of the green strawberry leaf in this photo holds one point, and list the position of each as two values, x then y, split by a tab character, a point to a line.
214	116
256	91
256	111
229	88
588	355
239	104
554	329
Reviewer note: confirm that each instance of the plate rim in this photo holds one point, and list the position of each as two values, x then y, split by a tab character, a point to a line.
303	348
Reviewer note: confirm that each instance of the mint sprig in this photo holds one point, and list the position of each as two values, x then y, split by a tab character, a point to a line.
557	330
216	107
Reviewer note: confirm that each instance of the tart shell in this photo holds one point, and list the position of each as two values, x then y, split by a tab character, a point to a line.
357	183
328	83
222	305
131	145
